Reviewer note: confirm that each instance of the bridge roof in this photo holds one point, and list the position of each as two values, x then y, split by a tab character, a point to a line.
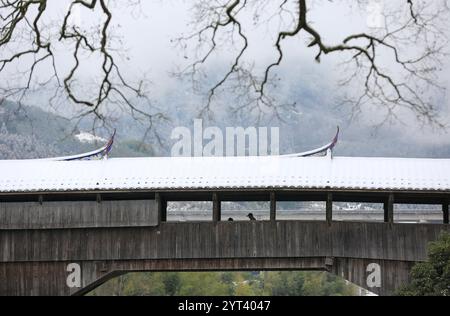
231	173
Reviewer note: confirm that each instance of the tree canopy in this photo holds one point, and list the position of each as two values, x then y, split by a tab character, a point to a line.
432	278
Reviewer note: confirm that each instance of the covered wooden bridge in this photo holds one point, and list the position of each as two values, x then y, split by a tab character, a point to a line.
108	217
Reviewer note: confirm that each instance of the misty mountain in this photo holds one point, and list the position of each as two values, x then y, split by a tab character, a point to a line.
31	132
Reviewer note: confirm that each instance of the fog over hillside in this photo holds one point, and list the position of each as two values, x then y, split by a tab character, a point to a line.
31	132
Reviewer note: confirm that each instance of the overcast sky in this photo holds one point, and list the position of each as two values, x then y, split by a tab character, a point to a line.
147	33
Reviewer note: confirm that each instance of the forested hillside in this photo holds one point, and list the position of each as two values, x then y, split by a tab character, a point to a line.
28	132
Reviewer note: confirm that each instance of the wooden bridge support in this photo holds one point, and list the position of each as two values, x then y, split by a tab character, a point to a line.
389	209
40	261
42	244
217	208
445	211
329	208
273	206
53	278
161	207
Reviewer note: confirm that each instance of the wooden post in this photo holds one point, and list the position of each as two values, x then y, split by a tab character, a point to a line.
329	208
445	211
389	209
273	207
99	198
216	208
162	208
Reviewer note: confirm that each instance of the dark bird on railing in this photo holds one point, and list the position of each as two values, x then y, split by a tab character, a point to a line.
252	218
230	219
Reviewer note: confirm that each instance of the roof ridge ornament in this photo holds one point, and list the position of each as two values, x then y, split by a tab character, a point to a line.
101	153
327	149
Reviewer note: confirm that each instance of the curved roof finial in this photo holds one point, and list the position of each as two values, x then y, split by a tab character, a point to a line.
101	153
330	146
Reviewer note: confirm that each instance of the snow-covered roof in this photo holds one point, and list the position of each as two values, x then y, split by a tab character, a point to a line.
208	173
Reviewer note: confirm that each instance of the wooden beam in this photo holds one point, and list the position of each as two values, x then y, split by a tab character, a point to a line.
217	208
389	209
329	208
273	206
233	195
162	208
445	211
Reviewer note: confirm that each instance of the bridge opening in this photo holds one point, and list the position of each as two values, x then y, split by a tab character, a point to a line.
296	210
418	213
189	211
229	283
353	211
244	211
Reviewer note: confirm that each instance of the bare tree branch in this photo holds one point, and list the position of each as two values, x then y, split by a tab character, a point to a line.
400	80
394	67
21	22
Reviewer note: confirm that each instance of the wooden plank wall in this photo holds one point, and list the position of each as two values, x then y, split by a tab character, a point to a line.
404	242
78	214
37	241
34	262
